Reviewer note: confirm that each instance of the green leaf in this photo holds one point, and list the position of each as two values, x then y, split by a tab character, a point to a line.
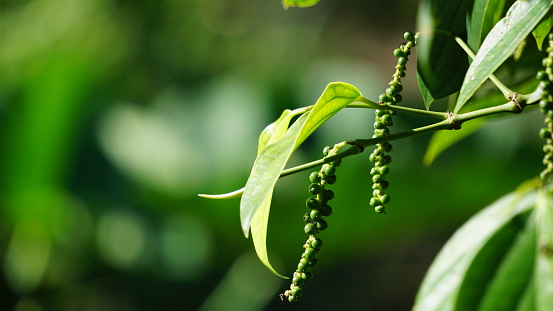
441	63
274	131
500	43
442	140
461	271
299	3
542	30
271	161
543	273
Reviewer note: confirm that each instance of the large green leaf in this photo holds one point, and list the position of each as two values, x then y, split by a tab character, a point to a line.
500	43
270	162
441	63
543	273
479	250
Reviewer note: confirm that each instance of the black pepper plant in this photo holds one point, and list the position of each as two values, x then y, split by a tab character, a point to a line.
461	45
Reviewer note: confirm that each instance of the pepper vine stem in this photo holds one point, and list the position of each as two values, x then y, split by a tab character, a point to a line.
452	122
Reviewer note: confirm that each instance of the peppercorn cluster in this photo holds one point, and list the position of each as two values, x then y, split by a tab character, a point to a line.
383	120
317	210
546	107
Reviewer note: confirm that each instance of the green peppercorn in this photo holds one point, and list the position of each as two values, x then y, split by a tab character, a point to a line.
328	194
310	228
385	198
322	225
329	170
315	188
384	98
317	243
307	276
377	178
314	263
383	170
326	210
331	179
314	177
309	254
380	209
316	215
312	203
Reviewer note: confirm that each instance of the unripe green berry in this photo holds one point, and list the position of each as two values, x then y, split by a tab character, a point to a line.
385	198
380	113
331	179
315	188
384	170
317	243
374	202
329	170
298	281
384	184
541	75
314	177
386	146
322	225
316	215
387	119
292	298
312	203
328	194
303	265
326	210
310	228
384	98
306	218
308	255
402	61
399	53
377	178
545	133
297	292
337	163
409	36
545	105
307	276
380	209
379	125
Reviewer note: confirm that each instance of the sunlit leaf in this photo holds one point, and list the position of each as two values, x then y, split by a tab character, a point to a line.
299	3
500	43
541	31
274	131
479	250
271	160
543	273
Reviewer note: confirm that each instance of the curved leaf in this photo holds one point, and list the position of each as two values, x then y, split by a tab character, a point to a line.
543	28
475	243
500	43
271	161
274	131
299	3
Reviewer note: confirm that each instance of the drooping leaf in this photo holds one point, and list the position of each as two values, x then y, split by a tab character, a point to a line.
543	273
500	43
299	3
271	161
475	253
541	31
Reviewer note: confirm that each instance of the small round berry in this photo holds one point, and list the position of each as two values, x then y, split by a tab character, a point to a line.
409	36
379	125
374	202
292	298
384	98
326	150
337	163
386	159
314	177
331	179
306	218
315	188
380	113
309	254
317	243
385	198
297	292
380	209
402	61
312	203
314	263
316	215
541	75
326	210
386	146
545	133
322	225
545	105
298	281
384	170
329	170
328	194
384	184
373	157
377	178
310	229
303	265
399	52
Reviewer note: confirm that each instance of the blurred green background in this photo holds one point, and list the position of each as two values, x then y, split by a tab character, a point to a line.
114	115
